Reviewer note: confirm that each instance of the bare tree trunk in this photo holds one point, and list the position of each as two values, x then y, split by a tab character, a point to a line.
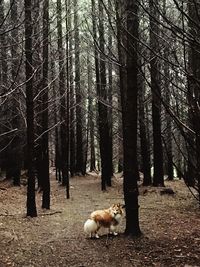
16	146
45	113
72	141
7	155
193	88
104	125
110	90
31	205
169	154
158	177
102	110
67	96
79	119
145	153
37	82
91	116
129	121
62	90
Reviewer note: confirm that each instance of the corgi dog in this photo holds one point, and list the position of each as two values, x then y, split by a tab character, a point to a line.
108	218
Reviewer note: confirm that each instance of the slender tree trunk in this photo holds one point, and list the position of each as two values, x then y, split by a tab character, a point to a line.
72	141
91	116
104	126
145	153
3	42
62	90
45	114
110	91
97	72
37	63
79	116
17	142
158	177
68	92
31	205
119	9
169	154
7	155
193	88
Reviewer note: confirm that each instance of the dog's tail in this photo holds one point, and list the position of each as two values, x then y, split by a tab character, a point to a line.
90	226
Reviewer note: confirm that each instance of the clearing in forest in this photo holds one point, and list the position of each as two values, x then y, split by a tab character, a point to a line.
170	226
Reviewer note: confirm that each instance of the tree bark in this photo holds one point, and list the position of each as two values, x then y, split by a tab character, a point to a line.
158	177
31	205
145	149
129	121
80	169
45	113
62	89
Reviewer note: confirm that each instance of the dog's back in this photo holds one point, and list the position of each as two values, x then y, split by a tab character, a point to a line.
102	217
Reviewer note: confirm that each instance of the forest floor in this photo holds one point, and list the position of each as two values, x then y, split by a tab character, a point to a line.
170	226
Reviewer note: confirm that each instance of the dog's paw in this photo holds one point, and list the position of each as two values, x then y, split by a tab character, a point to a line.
115	233
97	236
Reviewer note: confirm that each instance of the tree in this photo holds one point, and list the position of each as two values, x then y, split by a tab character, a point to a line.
72	141
158	177
103	120
80	168
91	117
169	152
129	121
45	114
193	86
145	153
31	205
62	90
16	146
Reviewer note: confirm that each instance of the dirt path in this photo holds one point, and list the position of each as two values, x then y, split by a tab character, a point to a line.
171	228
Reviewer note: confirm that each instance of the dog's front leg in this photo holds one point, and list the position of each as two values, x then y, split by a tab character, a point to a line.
96	235
112	230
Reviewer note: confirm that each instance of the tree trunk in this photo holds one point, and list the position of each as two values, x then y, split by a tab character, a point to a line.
101	94
145	150
91	116
31	205
103	119
193	87
158	177
67	96
129	121
72	141
79	116
169	154
16	145
6	155
62	90
45	113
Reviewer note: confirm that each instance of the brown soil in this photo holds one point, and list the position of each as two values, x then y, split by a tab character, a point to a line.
170	226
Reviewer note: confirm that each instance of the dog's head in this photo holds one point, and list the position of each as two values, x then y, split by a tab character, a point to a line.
116	210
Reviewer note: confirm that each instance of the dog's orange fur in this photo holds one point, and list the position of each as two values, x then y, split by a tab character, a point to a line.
108	218
105	217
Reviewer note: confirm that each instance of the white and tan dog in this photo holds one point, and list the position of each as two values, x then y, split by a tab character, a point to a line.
108	218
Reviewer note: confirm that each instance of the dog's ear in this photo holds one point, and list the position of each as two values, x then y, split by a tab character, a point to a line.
119	205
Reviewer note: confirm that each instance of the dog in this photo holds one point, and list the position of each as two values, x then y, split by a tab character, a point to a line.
107	218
